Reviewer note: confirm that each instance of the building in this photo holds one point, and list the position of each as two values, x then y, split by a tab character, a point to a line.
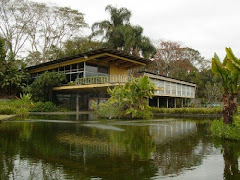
90	74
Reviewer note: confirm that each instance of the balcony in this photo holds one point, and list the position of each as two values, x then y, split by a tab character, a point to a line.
114	79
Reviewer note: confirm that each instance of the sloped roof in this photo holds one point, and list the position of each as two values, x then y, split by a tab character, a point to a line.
92	53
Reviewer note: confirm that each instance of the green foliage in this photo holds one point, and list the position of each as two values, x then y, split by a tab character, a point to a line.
187	110
13	77
228	70
120	34
44	107
220	129
41	88
21	106
128	100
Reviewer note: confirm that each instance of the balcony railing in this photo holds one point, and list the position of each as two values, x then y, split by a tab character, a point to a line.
103	80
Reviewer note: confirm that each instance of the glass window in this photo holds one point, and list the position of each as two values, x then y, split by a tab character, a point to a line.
61	69
68	77
91	68
67	68
74	67
173	88
80	66
167	86
178	89
103	69
74	76
183	90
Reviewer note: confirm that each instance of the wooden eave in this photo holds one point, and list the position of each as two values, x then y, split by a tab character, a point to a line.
103	57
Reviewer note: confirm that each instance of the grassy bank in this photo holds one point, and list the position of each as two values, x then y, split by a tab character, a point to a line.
21	107
217	110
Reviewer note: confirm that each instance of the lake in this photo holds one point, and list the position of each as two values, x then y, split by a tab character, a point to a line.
61	147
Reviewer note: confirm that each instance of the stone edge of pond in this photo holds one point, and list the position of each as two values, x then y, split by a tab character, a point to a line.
187	115
7	117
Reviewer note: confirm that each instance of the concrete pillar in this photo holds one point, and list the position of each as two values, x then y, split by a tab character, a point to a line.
182	102
77	102
167	102
175	102
158	102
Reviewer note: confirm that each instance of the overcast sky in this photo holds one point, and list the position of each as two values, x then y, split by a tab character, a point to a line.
205	25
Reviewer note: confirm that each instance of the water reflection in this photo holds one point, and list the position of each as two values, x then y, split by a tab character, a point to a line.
231	154
109	150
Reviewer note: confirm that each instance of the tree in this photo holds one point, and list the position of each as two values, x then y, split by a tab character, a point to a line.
13	77
229	71
70	47
42	87
120	34
37	27
128	100
117	17
171	59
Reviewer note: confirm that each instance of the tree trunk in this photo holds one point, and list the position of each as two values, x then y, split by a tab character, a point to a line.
229	107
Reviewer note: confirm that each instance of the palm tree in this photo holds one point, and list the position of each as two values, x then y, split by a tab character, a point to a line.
121	35
117	17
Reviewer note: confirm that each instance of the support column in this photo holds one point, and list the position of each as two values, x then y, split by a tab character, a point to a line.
175	102
182	102
77	102
167	102
158	103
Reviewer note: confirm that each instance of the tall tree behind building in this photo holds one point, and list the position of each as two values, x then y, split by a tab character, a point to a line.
37	27
120	34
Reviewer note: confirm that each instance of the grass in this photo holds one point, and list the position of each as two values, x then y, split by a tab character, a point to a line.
217	110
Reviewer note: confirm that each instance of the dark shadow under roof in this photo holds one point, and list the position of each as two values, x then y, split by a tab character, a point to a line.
92	53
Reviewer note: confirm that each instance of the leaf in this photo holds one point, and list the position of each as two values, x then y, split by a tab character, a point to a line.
231	56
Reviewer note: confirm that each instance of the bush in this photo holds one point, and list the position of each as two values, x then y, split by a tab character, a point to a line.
225	131
187	110
7	110
19	107
44	107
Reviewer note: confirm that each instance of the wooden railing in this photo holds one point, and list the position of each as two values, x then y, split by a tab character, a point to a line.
103	79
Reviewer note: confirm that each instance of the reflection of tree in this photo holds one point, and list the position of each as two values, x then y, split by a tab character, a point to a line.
231	153
137	141
87	152
174	156
46	157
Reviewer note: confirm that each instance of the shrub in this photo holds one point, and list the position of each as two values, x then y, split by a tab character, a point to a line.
7	110
226	131
44	107
187	110
19	107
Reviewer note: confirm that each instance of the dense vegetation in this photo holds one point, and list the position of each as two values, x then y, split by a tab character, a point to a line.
217	110
128	101
42	87
220	129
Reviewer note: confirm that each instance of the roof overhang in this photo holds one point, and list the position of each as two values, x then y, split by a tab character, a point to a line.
104	57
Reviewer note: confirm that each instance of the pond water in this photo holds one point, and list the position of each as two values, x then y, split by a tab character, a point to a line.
61	147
